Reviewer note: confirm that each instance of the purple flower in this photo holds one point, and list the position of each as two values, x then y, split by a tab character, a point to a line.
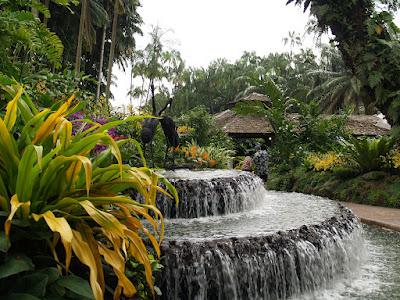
101	120
113	132
77	115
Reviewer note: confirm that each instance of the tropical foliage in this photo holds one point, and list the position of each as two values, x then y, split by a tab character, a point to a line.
53	36
302	75
202	129
368	40
24	39
357	156
370	154
70	206
158	65
97	19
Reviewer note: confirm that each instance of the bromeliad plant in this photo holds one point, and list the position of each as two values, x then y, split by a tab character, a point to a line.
51	191
204	157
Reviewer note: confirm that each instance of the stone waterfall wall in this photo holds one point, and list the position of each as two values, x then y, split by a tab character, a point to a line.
274	266
212	197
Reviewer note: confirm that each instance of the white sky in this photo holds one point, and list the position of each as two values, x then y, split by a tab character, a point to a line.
204	30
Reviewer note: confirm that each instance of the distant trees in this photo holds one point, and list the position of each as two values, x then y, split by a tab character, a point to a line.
156	65
299	74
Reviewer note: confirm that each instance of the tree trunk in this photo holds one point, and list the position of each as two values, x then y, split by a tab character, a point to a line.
103	41
131	85
46	3
80	36
112	49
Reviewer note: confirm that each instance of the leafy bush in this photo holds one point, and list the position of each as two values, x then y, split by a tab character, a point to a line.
319	133
202	129
62	203
47	87
344	172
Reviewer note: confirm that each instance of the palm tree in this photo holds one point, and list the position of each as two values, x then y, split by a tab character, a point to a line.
340	89
293	39
153	64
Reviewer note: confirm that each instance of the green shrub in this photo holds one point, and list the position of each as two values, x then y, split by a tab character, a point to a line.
204	130
345	172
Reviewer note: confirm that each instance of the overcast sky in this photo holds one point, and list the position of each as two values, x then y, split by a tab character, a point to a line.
208	29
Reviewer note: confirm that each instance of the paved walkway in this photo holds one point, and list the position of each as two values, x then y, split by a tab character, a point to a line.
376	215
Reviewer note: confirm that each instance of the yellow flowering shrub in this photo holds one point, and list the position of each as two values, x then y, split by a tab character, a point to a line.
41	87
324	161
395	157
183	130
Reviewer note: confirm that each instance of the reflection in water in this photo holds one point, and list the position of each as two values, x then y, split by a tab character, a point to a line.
379	276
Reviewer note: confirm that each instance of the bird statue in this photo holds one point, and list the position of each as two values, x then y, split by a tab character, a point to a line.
168	126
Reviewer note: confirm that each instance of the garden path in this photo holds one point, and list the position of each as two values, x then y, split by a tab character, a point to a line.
376	215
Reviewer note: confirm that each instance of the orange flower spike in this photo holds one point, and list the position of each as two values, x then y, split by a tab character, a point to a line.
205	156
193	151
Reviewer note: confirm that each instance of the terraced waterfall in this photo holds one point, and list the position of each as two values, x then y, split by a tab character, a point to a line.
229	238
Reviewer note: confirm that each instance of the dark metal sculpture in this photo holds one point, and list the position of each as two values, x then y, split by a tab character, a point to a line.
168	125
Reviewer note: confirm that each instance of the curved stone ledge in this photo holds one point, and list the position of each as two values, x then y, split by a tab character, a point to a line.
274	266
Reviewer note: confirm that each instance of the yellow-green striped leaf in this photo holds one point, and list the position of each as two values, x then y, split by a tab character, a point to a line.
12	109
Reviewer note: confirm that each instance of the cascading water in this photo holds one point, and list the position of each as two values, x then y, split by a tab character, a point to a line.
270	245
211	194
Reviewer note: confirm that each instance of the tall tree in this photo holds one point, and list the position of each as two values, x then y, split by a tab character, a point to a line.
368	40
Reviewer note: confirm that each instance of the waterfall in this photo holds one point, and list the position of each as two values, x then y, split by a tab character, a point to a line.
257	244
216	196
